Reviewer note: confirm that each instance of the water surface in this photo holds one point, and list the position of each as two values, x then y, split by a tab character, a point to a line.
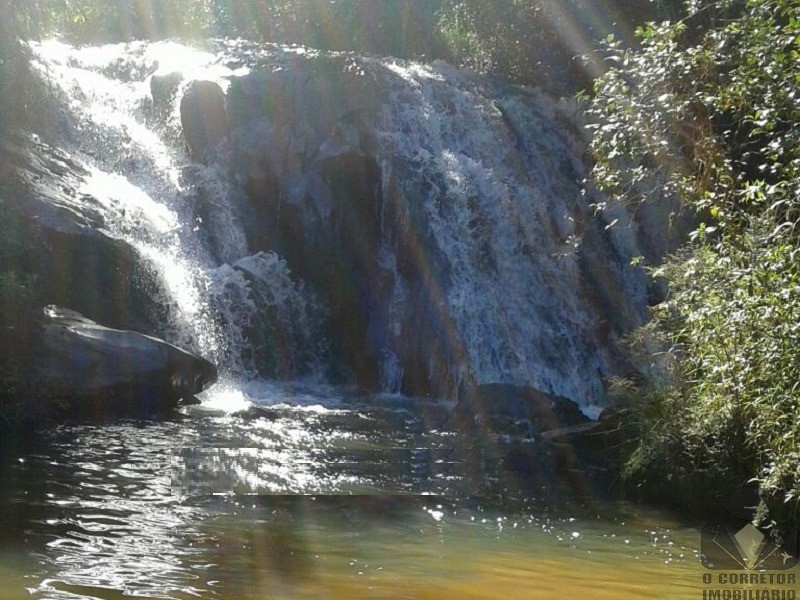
313	493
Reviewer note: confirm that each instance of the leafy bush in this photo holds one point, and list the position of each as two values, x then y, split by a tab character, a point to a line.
706	113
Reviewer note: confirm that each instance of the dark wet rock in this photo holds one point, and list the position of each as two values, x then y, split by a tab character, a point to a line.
322	212
542	442
555	473
305	154
115	287
74	262
163	88
588	455
505	407
63	256
88	369
204	117
281	335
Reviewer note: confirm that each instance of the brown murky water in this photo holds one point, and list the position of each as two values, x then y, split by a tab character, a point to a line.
322	496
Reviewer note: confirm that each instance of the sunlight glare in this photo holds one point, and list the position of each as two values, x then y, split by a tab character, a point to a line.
226	397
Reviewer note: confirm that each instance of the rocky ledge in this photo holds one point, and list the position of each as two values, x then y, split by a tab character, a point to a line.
70	367
91	370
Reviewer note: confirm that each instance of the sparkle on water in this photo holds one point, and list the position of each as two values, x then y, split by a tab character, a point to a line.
293	500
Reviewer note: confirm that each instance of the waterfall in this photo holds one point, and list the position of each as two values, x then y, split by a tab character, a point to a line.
538	289
178	216
505	168
412	227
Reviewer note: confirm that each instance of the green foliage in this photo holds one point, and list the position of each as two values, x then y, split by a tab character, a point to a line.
538	41
735	313
493	36
103	20
528	41
398	27
706	112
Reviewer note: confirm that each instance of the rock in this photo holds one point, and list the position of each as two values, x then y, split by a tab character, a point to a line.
204	117
504	407
322	214
63	256
65	240
163	87
541	443
538	443
88	369
303	148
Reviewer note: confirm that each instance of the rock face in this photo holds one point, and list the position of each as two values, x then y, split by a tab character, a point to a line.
314	190
68	258
204	118
92	370
66	242
440	220
541	442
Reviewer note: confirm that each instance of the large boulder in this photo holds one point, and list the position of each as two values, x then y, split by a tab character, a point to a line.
302	149
204	117
92	370
56	251
541	443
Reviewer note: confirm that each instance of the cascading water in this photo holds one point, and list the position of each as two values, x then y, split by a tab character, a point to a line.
471	250
423	217
504	168
178	216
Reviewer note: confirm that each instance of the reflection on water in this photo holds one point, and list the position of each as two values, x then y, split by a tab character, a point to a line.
214	505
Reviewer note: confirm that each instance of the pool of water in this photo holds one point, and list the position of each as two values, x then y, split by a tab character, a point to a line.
313	493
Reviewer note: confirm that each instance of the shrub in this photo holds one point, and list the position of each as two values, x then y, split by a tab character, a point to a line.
706	113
